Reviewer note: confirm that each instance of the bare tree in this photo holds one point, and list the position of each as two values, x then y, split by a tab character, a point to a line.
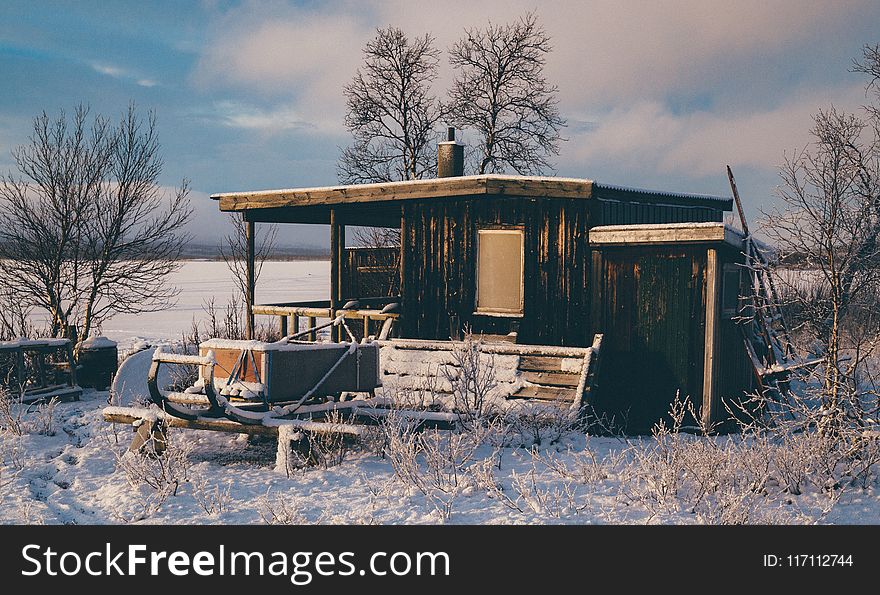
134	236
500	92
830	222
391	111
88	232
233	249
870	65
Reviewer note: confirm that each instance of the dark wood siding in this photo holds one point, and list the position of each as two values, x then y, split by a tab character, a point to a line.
736	374
649	301
615	212
371	272
439	260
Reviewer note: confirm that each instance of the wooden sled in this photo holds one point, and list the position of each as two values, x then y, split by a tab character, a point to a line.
252	382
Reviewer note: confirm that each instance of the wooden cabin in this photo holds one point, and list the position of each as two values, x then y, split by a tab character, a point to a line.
543	261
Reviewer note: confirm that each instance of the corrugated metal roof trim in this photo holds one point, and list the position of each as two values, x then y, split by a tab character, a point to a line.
598	187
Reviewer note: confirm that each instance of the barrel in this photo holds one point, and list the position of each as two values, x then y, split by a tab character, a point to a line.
97	363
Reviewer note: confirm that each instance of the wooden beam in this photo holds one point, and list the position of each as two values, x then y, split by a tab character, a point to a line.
663	233
126	415
545	393
335	259
710	363
250	258
500	348
490	184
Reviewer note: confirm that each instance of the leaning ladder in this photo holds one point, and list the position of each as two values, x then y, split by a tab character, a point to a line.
765	333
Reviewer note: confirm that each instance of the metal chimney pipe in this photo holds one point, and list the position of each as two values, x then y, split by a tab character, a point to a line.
450	156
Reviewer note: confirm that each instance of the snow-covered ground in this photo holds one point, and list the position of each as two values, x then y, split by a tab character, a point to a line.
75	470
75	476
200	281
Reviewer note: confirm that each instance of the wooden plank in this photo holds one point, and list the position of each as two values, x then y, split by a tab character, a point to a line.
271	310
537	363
489	184
335	258
710	371
664	233
250	264
552	378
544	393
216	425
497	348
125	415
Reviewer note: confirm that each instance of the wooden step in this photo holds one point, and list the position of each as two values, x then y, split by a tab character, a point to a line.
537	363
544	393
552	378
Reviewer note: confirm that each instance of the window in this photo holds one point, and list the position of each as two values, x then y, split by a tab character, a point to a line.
500	271
730	290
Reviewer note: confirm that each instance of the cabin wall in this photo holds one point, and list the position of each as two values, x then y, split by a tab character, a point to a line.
371	272
650	303
439	267
616	212
736	374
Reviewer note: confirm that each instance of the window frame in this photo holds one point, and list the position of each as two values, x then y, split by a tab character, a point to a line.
728	270
501	312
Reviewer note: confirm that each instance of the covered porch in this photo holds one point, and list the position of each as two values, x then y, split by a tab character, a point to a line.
368	286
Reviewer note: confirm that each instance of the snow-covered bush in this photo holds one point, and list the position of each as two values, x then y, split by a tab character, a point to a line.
433	462
156	470
211	499
472	376
19	419
282	510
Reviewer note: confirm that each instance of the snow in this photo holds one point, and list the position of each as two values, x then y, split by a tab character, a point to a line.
97	342
22	342
130	383
199	282
74	476
641	226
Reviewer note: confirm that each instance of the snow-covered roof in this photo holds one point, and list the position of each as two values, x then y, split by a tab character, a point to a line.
661	233
264	346
22	342
486	184
97	342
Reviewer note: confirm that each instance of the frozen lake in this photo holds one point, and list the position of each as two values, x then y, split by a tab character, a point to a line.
199	281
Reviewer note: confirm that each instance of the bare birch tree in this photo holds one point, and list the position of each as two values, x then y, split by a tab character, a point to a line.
500	92
233	250
829	221
88	232
392	112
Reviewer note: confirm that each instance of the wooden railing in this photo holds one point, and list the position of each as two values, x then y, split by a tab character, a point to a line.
369	312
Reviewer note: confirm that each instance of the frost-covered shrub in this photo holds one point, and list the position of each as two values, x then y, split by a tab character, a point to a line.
161	464
472	376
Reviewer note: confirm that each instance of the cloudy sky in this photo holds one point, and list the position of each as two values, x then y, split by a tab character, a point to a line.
248	94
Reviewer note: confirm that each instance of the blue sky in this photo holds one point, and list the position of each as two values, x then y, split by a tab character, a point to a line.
248	94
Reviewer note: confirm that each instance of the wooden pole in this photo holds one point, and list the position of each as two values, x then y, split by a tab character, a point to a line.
709	411
334	267
251	278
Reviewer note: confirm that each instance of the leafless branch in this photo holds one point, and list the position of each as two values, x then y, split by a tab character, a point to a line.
500	91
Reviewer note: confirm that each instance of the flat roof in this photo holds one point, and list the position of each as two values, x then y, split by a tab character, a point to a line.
487	184
663	233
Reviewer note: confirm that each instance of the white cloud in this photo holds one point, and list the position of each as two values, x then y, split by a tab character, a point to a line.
303	55
678	86
648	135
109	70
122	74
239	115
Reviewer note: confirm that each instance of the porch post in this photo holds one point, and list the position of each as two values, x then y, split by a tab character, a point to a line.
709	411
334	269
250	258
